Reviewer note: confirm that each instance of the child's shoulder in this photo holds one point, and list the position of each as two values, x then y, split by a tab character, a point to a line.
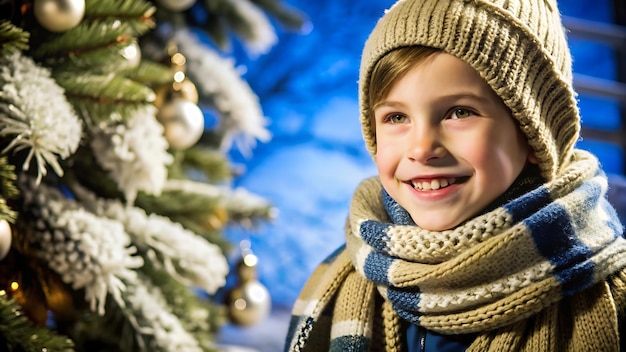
617	284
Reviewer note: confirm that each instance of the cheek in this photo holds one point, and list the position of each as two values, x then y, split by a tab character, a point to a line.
386	160
505	156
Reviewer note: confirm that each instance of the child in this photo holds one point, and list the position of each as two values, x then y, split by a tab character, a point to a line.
485	229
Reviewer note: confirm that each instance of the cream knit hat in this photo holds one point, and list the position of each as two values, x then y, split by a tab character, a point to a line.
518	46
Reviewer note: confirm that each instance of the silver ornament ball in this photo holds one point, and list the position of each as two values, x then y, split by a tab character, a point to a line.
176	5
5	238
183	123
249	303
59	15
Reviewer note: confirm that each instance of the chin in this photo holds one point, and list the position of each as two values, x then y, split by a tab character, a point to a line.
437	226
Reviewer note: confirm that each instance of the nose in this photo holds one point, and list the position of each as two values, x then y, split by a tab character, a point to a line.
425	145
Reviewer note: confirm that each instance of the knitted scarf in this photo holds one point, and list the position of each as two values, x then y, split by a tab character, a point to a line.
543	271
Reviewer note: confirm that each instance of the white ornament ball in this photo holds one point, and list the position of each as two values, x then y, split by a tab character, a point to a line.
183	123
249	303
5	238
176	5
59	15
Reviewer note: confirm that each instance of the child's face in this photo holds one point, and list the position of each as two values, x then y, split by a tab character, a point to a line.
447	146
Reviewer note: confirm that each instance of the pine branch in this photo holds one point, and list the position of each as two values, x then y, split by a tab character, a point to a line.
151	74
17	333
199	317
108	333
12	38
212	23
107	26
87	172
106	59
85	37
132	11
204	208
198	213
36	116
287	16
138	325
99	97
211	163
221	18
246	19
8	190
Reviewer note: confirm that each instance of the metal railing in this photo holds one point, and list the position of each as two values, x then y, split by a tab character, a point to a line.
610	34
615	36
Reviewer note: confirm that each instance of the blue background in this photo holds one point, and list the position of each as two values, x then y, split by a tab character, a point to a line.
307	85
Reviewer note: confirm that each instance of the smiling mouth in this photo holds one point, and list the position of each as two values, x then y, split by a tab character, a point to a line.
437	183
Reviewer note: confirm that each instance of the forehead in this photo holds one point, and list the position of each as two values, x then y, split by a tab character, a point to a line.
440	74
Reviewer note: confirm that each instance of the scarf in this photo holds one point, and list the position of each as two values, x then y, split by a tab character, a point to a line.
542	271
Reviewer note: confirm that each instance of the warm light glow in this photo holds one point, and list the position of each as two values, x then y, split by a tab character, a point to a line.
15	285
179	76
240	304
178	59
250	260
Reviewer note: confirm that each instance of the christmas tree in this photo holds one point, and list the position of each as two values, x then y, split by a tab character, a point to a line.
114	191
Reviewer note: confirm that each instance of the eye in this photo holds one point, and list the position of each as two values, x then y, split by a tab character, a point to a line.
460	113
395	118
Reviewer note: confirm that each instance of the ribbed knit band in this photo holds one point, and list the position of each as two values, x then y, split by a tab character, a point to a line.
518	46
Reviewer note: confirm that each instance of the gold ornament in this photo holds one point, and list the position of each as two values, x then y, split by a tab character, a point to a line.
182	119
249	301
184	89
59	15
6	236
183	123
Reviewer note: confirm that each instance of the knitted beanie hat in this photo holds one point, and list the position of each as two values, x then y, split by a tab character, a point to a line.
518	46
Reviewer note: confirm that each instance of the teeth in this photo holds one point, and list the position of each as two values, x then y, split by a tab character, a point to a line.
433	184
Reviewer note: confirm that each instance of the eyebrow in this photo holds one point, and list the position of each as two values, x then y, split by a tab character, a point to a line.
452	97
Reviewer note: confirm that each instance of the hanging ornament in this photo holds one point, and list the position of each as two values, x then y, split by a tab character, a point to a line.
184	89
176	5
249	301
182	119
5	238
59	15
183	123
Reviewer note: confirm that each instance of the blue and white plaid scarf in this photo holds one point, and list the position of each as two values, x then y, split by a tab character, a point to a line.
492	272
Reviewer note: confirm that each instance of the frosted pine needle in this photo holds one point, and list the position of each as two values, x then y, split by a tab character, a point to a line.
238	198
263	35
147	302
88	252
242	119
135	155
35	114
187	257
